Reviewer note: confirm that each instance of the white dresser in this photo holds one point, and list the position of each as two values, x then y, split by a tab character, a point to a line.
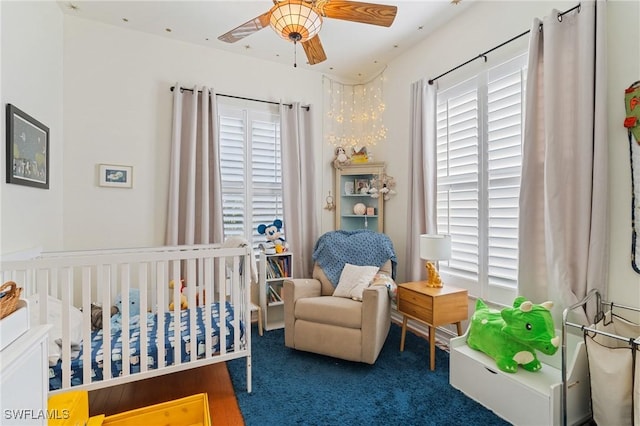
24	379
524	398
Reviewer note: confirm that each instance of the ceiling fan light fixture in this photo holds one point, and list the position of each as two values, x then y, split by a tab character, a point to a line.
295	20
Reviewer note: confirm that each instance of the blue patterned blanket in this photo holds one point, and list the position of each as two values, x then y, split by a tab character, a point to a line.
361	247
97	352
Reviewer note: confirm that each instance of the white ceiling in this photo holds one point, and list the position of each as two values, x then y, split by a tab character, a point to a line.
354	51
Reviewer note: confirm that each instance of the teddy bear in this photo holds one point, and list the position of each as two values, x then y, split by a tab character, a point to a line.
96	316
183	298
341	158
275	241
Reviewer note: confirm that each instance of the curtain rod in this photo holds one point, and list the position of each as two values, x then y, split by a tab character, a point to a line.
484	54
243	98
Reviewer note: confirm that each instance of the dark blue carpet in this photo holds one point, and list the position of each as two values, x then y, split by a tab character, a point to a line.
299	388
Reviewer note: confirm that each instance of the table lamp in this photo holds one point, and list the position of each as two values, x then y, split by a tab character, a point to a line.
433	248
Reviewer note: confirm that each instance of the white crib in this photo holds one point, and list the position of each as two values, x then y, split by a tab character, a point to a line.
62	286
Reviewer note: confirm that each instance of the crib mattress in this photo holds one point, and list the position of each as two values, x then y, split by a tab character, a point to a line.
97	350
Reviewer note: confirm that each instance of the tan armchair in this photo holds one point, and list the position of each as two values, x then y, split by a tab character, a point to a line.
315	321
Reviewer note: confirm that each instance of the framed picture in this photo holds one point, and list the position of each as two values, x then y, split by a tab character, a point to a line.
116	176
361	186
27	149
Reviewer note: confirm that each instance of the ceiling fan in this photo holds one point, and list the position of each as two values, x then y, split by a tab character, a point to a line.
300	21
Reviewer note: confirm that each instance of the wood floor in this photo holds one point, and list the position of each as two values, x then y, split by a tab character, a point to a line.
212	379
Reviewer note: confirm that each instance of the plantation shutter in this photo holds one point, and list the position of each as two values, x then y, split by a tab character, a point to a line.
266	173
479	157
458	159
505	124
250	158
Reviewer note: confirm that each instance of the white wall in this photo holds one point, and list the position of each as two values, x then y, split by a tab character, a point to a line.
32	80
483	26
118	107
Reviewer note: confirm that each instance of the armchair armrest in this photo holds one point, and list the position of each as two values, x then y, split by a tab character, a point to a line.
292	290
376	321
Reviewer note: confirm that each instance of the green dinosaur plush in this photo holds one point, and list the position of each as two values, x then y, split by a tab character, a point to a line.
512	336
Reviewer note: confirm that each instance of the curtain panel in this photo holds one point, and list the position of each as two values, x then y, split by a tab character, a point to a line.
195	197
299	190
563	229
421	214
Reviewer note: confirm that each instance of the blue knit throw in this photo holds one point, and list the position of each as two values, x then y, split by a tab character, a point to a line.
361	247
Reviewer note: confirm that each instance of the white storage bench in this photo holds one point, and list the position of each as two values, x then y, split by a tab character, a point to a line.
524	398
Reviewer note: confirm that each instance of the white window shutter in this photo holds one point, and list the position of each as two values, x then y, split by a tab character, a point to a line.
479	158
251	171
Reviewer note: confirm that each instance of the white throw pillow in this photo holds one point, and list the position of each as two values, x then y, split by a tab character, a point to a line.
353	280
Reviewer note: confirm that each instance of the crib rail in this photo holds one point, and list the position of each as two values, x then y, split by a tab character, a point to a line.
214	276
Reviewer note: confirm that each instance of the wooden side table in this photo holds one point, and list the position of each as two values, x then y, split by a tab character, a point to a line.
433	306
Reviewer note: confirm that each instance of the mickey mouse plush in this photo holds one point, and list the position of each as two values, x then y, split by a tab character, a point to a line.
275	242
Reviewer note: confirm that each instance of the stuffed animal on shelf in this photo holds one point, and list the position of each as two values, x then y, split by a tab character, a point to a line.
511	336
341	158
183	298
360	155
275	241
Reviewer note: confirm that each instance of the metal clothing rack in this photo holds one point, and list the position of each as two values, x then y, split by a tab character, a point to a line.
600	315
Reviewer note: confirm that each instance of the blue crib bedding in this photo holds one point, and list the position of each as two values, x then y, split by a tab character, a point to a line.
97	355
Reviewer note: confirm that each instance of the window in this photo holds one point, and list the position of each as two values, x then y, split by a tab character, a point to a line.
479	156
250	158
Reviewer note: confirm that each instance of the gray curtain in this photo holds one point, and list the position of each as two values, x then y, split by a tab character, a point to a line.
195	195
563	231
298	181
421	214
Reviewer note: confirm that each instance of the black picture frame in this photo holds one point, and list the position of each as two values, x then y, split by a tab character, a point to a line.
27	149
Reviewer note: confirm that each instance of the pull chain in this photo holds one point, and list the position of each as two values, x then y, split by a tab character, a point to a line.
295	59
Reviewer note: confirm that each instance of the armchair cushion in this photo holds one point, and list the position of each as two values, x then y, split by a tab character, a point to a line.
338	311
353	280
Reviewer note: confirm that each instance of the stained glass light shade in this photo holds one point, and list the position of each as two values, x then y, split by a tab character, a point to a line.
295	20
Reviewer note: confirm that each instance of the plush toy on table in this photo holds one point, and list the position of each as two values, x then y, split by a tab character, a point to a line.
183	298
511	336
275	241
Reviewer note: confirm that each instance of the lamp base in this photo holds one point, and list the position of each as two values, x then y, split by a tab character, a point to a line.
433	277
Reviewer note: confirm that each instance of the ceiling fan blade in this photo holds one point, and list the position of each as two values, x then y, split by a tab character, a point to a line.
366	13
314	51
246	29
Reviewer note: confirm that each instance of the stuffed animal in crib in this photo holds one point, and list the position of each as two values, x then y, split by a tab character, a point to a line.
511	336
275	241
96	316
183	298
134	310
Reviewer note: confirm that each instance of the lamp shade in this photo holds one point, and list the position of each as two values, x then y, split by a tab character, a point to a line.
295	20
435	246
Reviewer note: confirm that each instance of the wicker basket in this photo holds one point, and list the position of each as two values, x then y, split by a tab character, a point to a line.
9	302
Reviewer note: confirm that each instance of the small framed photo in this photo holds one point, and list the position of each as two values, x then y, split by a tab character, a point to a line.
27	149
361	186
116	176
